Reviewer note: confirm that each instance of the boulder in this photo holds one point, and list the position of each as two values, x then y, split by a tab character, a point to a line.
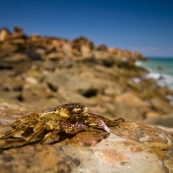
125	149
162	105
132	100
4	34
46	71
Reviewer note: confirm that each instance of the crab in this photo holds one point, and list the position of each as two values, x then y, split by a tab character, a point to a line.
69	118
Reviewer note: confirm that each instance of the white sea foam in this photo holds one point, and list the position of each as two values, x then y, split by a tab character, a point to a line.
162	79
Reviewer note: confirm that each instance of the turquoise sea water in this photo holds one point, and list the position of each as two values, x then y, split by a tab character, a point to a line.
160	65
160	69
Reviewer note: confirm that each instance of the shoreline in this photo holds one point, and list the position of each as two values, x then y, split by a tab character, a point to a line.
47	71
162	79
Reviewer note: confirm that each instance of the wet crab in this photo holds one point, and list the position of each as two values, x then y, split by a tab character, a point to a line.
68	118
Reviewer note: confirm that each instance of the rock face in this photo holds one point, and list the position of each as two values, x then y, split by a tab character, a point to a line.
47	71
132	147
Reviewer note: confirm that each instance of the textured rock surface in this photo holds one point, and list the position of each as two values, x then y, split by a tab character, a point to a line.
45	71
132	147
48	71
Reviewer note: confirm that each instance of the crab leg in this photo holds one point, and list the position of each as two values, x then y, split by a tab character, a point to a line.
49	135
67	127
13	132
25	119
54	126
35	134
18	128
112	123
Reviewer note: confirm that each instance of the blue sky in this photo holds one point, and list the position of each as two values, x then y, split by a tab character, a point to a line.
146	26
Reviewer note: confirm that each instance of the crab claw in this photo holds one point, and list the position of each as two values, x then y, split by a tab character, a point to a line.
101	124
71	128
80	127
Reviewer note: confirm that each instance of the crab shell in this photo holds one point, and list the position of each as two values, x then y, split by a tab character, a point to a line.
65	111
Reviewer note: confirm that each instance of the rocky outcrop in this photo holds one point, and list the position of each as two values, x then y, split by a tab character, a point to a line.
45	71
48	71
125	149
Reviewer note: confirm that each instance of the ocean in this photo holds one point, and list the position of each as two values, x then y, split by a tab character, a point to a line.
161	69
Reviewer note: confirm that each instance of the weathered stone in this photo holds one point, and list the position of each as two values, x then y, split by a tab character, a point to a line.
162	105
132	100
78	44
45	71
164	120
54	56
152	114
4	34
125	149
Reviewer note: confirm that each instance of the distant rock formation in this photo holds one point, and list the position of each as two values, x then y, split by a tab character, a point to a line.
38	72
48	71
